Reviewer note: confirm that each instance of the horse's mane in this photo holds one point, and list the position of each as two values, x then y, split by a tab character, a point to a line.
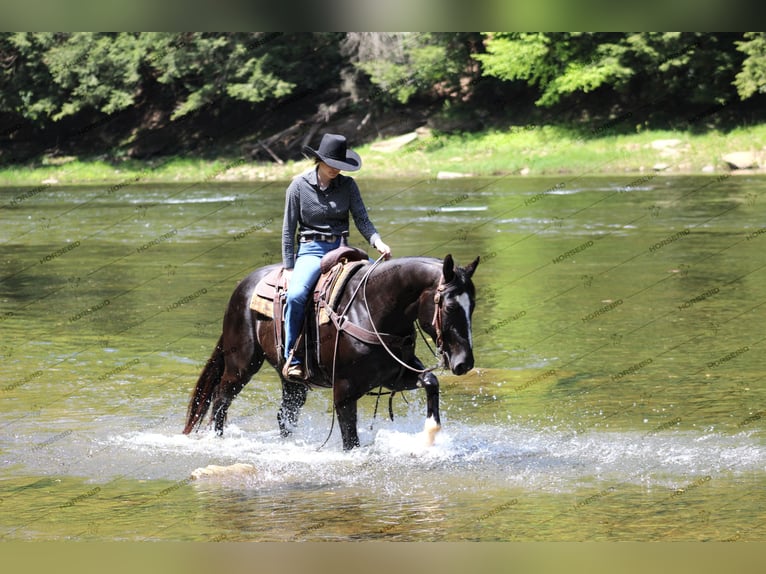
417	259
407	263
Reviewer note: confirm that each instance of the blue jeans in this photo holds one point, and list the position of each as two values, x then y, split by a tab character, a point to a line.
302	282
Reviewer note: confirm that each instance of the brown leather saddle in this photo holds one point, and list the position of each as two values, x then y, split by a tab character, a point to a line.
269	300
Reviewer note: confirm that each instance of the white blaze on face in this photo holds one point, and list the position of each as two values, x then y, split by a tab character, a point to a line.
465	303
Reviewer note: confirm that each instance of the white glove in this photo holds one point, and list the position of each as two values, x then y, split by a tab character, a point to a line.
384	249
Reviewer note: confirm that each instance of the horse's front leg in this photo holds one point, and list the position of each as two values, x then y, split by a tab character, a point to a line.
433	422
293	399
345	408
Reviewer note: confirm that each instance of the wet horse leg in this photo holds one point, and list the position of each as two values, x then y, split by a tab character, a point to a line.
233	381
431	384
433	422
293	399
224	394
347	422
345	408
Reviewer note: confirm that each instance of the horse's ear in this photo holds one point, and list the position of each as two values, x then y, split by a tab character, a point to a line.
448	270
469	270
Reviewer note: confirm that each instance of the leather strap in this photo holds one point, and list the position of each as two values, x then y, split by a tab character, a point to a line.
365	335
279	304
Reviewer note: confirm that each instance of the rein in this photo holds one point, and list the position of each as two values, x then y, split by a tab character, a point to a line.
337	341
437	321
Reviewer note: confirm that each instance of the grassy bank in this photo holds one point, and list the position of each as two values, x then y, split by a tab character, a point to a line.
527	150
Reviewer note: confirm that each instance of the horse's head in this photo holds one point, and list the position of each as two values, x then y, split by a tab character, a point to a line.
454	301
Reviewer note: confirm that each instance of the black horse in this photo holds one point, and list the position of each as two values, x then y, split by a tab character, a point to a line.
386	300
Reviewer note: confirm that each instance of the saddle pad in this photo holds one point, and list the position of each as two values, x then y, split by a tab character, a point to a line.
338	286
262	305
267	286
262	300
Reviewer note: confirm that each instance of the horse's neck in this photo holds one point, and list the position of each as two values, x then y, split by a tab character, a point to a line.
409	284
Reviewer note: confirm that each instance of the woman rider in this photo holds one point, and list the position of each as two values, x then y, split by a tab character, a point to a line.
317	205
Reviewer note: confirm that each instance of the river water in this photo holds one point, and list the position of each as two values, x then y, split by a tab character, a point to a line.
618	392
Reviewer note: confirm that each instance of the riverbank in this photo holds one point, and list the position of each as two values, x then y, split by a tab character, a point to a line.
521	150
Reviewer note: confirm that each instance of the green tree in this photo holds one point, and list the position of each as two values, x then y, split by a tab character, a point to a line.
51	76
751	79
683	68
559	64
27	89
96	71
201	68
407	64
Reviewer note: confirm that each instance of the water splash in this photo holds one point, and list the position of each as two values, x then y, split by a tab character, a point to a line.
396	457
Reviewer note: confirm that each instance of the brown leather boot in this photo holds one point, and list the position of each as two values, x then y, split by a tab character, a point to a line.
293	372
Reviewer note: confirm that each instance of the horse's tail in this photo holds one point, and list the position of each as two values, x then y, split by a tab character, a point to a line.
202	396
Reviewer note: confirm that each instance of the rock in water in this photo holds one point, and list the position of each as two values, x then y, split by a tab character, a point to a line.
741	159
452	175
213	470
665	144
394	144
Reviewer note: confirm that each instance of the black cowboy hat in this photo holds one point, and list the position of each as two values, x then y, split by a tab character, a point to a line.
333	151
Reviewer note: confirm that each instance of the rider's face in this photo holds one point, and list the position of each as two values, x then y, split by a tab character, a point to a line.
326	172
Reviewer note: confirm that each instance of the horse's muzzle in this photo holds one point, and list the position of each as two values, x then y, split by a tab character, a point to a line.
461	364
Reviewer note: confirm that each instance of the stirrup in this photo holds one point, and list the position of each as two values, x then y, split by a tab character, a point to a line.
293	371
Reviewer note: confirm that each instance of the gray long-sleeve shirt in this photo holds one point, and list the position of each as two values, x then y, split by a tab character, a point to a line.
310	210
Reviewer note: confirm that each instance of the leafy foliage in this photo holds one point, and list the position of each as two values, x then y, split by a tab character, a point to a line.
650	66
752	77
403	65
47	78
51	76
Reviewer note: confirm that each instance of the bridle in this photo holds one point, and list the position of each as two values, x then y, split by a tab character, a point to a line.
436	323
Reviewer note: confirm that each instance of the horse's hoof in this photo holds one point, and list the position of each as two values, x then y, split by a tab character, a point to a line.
430	429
